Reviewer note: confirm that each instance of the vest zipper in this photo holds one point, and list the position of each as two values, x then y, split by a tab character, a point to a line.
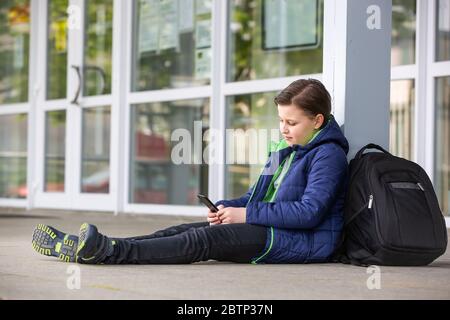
254	190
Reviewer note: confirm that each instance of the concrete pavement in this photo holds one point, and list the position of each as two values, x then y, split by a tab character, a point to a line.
24	274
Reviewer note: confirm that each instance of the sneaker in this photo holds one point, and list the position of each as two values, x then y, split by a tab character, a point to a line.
93	247
52	242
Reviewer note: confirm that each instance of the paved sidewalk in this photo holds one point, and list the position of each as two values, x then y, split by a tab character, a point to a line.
24	274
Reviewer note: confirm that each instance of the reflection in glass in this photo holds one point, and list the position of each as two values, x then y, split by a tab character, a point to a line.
271	38
14	48
403	46
57	49
96	147
55	151
442	152
255	111
402	118
443	30
172	44
156	176
98	47
13	156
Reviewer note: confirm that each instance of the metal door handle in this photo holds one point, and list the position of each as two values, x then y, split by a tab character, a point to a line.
77	94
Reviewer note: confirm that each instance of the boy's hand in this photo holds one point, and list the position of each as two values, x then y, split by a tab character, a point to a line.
212	216
232	215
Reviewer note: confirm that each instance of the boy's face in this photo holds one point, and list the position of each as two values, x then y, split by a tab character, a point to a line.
295	126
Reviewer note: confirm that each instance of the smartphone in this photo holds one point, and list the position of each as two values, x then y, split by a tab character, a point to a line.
204	199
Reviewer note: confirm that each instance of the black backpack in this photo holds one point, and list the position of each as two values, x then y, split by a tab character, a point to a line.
391	213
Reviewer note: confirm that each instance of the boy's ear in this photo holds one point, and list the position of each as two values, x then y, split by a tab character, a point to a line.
319	121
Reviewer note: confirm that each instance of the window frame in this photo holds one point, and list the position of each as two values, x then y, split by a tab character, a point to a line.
26	108
433	71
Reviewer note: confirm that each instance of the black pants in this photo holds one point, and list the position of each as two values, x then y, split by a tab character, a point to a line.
193	242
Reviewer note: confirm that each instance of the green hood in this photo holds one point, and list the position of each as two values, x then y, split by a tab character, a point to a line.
277	146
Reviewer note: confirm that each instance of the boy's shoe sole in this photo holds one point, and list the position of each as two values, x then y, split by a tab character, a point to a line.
52	242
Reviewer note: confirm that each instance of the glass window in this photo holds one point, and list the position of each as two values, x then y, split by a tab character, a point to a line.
403	35
14	49
251	116
402	118
98	47
172	44
95	154
13	156
442	153
167	161
55	151
57	49
443	30
272	38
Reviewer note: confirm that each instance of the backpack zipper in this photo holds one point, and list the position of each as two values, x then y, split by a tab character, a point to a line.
370	201
366	205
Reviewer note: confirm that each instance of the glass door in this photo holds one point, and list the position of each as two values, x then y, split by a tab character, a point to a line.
15	30
74	113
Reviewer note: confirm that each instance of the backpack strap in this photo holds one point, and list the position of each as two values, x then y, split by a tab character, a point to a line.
339	255
369	146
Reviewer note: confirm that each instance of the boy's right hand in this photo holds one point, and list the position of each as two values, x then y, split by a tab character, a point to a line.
212	216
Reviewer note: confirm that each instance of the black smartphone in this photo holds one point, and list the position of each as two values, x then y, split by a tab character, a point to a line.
204	199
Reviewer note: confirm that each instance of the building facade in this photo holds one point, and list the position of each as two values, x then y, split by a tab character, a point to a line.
96	95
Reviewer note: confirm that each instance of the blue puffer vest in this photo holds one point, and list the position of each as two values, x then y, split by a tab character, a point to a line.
306	218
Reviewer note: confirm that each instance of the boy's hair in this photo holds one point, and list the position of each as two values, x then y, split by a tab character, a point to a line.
310	95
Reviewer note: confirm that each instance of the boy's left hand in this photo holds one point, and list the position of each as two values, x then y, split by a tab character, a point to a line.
232	215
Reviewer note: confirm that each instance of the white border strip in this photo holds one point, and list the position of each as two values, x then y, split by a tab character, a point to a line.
101	100
126	112
53	105
405	72
7	109
420	83
266	85
440	69
217	106
429	89
33	93
14	203
118	106
169	95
